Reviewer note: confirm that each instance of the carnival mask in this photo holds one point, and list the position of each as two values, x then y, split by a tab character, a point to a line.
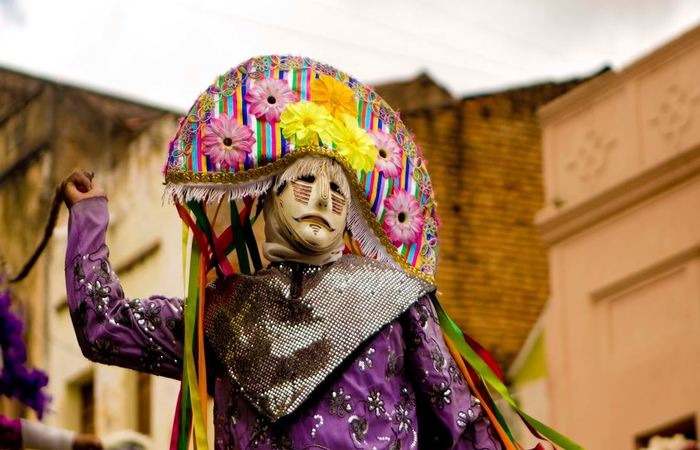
308	207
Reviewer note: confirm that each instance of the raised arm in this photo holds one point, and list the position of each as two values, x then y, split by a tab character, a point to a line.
139	334
449	409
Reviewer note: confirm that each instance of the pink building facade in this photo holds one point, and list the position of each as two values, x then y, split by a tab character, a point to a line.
622	221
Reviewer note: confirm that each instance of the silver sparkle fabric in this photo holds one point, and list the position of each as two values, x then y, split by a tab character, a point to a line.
281	332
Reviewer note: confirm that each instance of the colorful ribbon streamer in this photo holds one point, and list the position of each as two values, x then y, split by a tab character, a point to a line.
456	338
206	250
193	387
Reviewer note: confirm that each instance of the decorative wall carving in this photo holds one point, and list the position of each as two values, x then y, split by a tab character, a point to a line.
588	159
674	113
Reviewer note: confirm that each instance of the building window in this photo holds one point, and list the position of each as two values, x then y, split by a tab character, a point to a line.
684	427
87	406
143	407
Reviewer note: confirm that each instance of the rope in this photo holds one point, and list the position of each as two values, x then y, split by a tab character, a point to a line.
48	232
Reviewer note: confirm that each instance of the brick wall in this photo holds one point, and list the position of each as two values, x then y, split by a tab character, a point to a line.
484	158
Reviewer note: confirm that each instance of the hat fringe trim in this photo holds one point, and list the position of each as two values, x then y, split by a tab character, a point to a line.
214	192
362	233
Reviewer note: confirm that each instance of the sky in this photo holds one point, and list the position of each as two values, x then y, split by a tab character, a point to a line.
165	52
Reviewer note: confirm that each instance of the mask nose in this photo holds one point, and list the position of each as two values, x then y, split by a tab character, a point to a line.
322	188
322	202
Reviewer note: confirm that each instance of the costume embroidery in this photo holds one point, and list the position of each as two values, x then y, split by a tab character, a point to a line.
339	402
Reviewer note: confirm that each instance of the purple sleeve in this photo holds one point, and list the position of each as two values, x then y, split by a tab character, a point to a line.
10	433
144	335
453	413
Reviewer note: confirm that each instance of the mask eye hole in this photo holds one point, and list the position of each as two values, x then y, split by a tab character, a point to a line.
335	188
307	178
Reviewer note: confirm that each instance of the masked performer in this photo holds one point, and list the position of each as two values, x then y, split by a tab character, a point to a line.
336	343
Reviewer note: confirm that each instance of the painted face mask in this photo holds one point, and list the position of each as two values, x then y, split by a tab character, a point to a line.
306	212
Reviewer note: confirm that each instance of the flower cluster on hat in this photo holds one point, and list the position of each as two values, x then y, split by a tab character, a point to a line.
389	154
268	97
403	221
353	143
333	95
227	142
306	123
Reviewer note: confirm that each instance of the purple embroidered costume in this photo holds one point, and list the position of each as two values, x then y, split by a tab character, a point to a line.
400	388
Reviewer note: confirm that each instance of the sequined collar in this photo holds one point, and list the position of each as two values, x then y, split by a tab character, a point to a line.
280	333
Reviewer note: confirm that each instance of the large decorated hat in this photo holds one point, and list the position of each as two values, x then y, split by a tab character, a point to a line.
262	115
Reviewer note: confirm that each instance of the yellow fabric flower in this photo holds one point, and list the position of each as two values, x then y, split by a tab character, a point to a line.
333	95
354	143
306	123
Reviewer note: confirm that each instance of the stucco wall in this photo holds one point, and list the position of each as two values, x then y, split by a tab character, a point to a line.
47	129
622	159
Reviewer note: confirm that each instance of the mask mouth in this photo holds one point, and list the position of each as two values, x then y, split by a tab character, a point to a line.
315	219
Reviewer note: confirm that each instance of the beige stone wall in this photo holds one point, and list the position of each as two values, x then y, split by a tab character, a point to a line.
45	130
25	127
622	160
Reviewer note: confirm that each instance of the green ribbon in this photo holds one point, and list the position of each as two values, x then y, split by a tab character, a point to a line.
239	241
185	413
190	372
453	332
203	224
185	401
252	244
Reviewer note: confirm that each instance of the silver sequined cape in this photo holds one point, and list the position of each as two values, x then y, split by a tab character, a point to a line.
280	332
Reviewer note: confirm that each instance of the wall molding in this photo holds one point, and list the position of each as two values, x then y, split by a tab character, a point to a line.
557	224
659	268
137	257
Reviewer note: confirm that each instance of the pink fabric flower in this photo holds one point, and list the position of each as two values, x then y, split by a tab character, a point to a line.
227	142
268	97
403	221
389	154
